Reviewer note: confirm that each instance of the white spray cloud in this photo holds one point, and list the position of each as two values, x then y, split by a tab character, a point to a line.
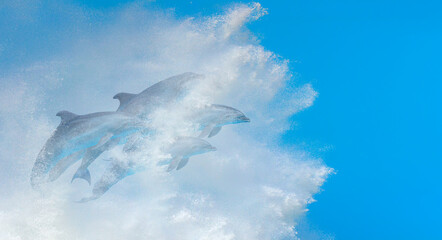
248	189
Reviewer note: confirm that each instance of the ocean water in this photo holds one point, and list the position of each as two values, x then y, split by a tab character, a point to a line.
250	188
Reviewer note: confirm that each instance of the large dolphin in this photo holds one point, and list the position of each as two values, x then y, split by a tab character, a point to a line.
180	151
158	95
77	135
212	117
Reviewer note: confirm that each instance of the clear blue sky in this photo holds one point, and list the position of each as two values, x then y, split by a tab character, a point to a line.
378	70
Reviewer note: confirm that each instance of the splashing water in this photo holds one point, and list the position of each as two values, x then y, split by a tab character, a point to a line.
248	189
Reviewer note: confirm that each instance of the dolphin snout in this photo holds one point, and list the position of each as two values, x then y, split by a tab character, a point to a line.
244	119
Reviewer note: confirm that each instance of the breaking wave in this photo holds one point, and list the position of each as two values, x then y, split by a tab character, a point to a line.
250	188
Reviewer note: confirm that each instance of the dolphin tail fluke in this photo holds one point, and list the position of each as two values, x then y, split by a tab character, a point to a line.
182	163
174	163
84	174
215	131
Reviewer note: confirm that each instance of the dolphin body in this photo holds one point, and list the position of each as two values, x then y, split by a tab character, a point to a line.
76	136
181	150
158	95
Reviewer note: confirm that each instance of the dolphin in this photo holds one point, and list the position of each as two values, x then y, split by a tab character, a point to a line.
185	147
181	150
77	135
213	117
158	95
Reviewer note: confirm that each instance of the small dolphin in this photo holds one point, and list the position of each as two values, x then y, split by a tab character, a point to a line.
212	117
74	137
185	147
180	150
158	95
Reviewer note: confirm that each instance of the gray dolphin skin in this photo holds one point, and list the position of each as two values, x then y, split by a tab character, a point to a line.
158	95
73	136
181	150
214	116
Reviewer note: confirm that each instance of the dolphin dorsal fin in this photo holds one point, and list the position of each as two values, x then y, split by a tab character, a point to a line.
124	98
66	116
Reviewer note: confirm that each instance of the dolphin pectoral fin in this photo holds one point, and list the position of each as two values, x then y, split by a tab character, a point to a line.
206	131
84	174
174	163
182	163
215	131
103	141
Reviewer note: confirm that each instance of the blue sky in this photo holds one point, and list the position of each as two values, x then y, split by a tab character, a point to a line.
377	120
376	67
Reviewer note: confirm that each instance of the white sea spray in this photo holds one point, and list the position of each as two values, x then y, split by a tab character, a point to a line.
248	189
